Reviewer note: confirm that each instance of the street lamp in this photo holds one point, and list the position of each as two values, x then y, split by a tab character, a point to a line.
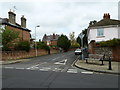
35	40
81	35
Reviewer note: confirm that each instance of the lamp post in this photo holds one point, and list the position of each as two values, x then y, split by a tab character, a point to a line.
81	35
35	40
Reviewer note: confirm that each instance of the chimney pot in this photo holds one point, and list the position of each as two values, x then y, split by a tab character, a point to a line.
12	17
23	21
106	16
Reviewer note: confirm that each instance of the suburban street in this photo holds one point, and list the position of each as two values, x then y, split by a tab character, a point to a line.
53	71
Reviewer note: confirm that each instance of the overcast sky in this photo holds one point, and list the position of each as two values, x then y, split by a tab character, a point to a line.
59	16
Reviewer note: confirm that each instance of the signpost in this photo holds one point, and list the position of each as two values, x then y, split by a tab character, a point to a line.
81	35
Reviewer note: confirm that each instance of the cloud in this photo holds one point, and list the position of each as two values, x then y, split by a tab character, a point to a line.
60	16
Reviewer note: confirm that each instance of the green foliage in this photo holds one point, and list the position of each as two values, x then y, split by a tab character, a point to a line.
8	36
23	45
64	42
79	40
75	45
72	38
42	45
110	43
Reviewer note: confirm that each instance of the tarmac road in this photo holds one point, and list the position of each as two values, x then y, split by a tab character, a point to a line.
53	71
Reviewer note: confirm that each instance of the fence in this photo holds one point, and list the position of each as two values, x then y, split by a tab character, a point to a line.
13	55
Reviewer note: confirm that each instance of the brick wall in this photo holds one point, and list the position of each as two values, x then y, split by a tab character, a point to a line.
26	36
22	33
108	51
13	55
116	53
53	43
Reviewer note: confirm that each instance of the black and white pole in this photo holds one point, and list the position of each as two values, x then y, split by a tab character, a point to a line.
110	66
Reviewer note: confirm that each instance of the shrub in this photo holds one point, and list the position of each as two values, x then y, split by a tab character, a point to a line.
23	45
110	43
42	45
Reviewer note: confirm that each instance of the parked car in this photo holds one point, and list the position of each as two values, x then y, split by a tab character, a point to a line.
78	52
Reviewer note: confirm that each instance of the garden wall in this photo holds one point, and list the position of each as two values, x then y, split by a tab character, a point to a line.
109	51
13	55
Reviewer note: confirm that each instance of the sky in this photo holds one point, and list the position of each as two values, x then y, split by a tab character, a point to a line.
59	16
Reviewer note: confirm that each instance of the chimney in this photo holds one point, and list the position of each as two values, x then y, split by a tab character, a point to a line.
45	36
53	36
23	21
106	16
12	17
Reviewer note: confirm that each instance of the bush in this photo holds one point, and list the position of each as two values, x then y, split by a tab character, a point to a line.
75	46
23	45
42	45
110	43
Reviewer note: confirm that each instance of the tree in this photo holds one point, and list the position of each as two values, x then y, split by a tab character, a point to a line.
74	43
8	38
72	38
79	40
85	40
64	42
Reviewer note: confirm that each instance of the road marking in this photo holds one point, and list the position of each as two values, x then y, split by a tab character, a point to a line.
9	67
55	58
27	68
72	71
43	69
20	68
63	62
87	72
35	66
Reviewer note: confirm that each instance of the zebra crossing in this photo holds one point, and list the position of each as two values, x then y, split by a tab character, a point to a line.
56	69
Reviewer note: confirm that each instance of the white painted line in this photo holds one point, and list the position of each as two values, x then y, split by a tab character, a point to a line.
72	71
43	69
27	68
87	72
9	67
37	65
63	62
20	68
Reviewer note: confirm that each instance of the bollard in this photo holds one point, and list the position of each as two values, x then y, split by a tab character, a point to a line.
110	67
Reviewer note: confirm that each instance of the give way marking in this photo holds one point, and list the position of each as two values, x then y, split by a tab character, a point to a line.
63	62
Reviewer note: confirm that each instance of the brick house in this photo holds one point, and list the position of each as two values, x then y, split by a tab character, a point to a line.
10	23
50	40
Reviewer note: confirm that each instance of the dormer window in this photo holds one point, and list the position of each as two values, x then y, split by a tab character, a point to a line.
100	32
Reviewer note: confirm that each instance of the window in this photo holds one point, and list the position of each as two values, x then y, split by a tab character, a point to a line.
100	32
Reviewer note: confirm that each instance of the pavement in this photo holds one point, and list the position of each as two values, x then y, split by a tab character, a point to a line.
95	66
13	61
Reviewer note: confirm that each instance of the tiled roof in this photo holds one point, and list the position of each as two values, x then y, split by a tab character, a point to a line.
50	37
106	22
4	21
